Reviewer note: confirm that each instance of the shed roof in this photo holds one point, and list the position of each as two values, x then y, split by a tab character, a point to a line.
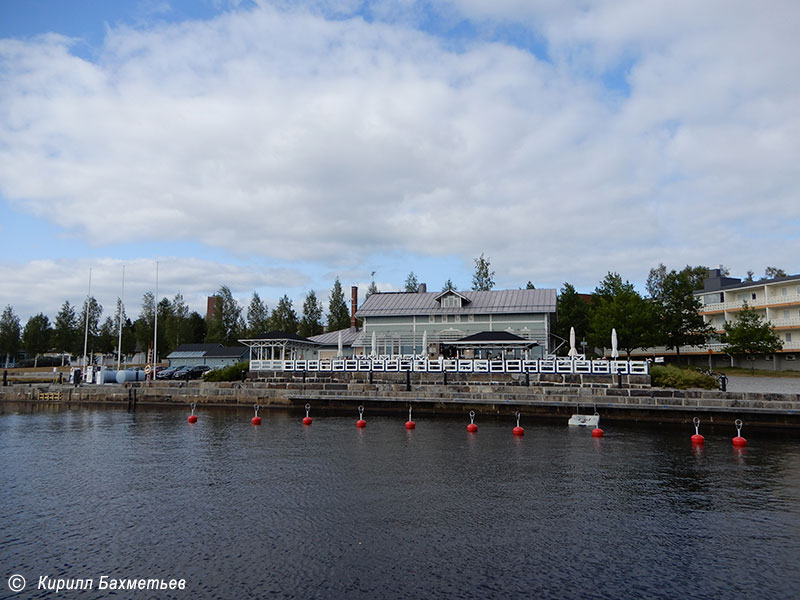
384	304
332	337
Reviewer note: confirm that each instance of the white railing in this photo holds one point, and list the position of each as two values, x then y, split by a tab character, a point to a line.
422	365
785	322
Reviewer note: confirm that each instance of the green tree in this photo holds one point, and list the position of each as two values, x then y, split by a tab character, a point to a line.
9	334
107	336
66	330
655	281
173	317
750	335
617	305
750	276
311	323
530	286
338	316
412	285
226	324
197	328
572	311
680	323
483	279
145	323
773	272
372	289
90	333
257	316
449	286
283	317
36	336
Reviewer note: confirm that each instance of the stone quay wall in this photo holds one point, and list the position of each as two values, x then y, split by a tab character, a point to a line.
547	396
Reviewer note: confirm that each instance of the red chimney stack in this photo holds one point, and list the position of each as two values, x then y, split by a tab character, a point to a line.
353	306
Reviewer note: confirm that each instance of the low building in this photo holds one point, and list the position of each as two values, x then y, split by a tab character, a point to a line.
213	355
401	323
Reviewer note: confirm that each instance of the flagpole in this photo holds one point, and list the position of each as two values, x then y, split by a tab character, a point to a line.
155	327
121	311
86	330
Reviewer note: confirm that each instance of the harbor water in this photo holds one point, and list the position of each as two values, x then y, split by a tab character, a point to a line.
284	510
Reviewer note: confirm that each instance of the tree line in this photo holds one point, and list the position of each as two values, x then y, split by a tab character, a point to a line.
667	316
177	325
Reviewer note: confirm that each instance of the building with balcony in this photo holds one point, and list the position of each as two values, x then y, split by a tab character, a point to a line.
776	300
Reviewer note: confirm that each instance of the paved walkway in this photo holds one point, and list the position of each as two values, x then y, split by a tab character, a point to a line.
765	385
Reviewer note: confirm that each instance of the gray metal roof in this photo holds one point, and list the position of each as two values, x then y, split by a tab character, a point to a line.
492	302
332	337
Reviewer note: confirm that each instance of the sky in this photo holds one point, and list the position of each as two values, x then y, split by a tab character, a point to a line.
272	146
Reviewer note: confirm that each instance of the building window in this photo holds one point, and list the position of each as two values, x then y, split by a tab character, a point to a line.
471	318
788	337
431	318
786	314
753	296
784	291
451	301
458	318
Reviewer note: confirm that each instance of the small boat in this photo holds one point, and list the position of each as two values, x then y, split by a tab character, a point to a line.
585	420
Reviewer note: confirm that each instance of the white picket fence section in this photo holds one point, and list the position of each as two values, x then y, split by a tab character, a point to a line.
421	365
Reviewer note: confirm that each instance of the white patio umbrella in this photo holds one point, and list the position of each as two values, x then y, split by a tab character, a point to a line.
374	344
614	351
572	350
424	344
340	353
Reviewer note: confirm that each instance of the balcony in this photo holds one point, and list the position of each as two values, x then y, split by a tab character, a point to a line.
771	301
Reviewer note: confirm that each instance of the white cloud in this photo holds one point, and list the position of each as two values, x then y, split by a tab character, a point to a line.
279	134
44	285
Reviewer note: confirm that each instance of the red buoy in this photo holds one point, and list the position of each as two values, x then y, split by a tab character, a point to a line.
739	440
192	417
410	424
361	423
597	432
307	419
518	430
256	420
698	439
472	428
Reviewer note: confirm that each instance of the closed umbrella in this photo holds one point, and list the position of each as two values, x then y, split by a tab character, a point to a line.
424	344
614	351
374	344
572	350
340	353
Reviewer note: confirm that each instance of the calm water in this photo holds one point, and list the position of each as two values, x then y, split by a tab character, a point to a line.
329	511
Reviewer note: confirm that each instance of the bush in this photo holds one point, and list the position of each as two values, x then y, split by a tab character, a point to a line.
682	379
230	373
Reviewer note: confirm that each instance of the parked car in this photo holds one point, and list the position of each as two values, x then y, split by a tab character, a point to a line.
197	371
166	373
180	373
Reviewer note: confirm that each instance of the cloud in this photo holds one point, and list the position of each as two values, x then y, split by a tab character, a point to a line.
44	285
283	134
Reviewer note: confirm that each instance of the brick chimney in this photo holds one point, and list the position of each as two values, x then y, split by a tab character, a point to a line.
422	288
353	306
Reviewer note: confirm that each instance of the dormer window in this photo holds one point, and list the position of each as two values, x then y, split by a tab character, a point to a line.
452	301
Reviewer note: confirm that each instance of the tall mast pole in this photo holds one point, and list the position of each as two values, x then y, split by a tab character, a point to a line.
121	311
155	327
86	329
